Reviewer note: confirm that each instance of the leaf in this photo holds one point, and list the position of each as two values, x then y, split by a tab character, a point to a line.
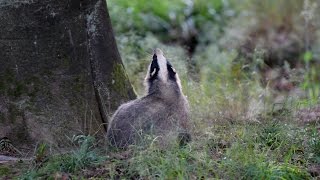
307	56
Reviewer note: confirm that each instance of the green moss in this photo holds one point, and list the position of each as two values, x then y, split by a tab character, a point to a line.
2	87
19	89
119	80
2	117
4	171
9	75
36	85
5	79
65	62
78	86
46	72
78	83
11	86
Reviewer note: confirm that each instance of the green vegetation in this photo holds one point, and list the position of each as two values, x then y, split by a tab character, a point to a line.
246	151
252	81
246	121
4	171
118	77
84	156
170	20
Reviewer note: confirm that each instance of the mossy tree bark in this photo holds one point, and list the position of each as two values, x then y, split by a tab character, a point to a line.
60	70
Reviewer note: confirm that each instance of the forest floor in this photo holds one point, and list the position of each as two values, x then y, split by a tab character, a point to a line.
269	149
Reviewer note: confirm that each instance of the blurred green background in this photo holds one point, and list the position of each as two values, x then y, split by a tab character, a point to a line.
238	58
251	72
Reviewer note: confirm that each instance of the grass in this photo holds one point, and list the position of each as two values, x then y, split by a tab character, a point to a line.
314	144
239	131
269	150
84	156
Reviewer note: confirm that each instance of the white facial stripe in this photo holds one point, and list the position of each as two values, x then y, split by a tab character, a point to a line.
162	62
153	72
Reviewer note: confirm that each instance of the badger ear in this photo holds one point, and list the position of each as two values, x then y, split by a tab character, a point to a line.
154	68
171	71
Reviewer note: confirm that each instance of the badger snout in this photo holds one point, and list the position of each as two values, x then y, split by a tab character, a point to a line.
158	52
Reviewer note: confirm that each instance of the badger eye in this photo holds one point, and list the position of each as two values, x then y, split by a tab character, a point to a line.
154	67
170	68
171	71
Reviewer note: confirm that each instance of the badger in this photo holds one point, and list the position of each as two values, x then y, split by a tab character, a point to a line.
162	112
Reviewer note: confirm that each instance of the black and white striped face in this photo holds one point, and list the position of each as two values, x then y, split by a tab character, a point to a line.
161	69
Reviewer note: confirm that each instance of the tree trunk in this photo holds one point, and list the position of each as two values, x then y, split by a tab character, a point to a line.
60	70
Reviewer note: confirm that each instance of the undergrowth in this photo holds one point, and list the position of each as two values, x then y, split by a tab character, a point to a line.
82	157
268	150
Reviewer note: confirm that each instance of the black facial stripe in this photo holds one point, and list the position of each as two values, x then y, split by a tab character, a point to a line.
171	72
154	68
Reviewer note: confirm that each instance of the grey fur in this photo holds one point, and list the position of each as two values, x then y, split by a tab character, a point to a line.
162	112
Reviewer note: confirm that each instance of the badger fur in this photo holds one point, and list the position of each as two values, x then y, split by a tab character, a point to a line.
163	112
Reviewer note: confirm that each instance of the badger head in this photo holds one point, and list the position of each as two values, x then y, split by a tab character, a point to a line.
161	74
